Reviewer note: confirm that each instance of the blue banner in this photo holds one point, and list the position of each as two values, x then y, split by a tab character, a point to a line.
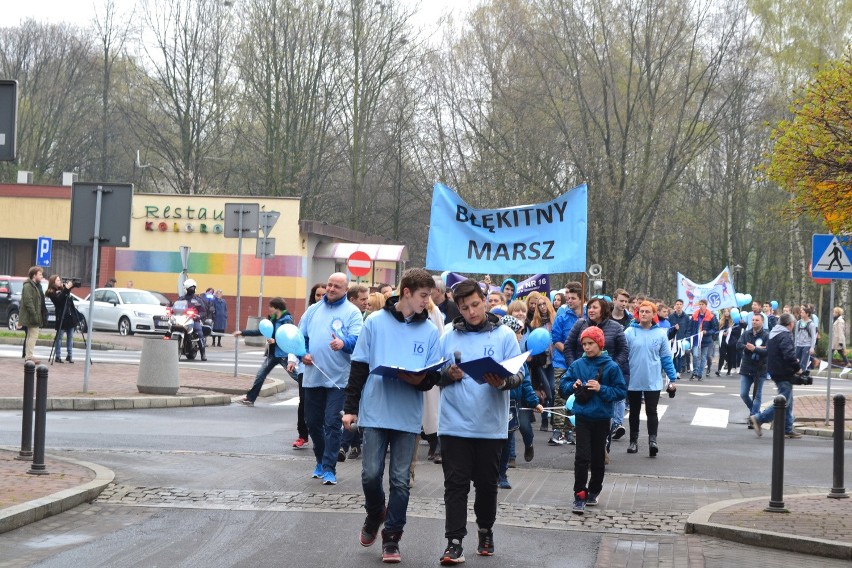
546	238
538	283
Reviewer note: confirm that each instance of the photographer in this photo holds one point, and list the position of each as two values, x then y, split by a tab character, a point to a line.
785	370
66	315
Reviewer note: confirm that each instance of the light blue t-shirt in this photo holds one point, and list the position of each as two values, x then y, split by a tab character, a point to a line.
648	354
469	409
388	402
322	320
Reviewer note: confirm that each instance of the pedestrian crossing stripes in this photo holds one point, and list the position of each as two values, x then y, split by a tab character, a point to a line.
710	417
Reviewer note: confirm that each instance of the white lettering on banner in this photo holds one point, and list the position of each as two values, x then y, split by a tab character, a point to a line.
514	218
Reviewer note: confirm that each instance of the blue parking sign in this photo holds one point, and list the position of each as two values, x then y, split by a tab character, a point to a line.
44	247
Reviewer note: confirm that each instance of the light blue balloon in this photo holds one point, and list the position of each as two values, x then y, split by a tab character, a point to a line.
573	420
773	304
290	340
444	275
685	344
538	341
265	327
735	316
569	404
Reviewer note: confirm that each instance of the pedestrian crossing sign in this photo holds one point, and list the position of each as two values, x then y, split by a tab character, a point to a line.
831	257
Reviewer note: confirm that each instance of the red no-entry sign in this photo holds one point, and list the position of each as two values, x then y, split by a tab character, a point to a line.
359	263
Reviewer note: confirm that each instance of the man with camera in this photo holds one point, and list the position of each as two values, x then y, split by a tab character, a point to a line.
784	368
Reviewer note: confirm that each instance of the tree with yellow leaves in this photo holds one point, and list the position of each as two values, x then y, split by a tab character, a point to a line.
812	156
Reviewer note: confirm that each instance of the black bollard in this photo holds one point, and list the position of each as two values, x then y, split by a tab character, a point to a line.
838	491
38	467
776	498
26	453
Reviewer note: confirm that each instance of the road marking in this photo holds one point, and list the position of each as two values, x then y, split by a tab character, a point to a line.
661	409
702	393
289	402
710	417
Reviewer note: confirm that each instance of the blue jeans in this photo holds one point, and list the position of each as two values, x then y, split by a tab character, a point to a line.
618	413
525	426
268	364
376	443
803	354
322	414
69	342
785	388
746	384
701	355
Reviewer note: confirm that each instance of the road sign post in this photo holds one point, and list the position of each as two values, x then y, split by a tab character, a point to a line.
44	247
265	249
359	264
831	259
241	220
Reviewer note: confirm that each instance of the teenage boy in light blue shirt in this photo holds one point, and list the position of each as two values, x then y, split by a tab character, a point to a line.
473	419
390	409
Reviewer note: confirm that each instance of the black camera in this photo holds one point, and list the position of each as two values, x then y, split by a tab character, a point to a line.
583	394
75	282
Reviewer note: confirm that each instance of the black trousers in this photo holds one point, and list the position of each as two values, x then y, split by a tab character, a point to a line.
467	460
634	398
591	451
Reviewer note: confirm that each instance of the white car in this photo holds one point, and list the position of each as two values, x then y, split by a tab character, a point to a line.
126	310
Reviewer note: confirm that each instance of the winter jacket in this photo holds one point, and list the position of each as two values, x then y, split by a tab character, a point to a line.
753	362
683	322
33	309
66	313
781	360
613	386
524	394
709	325
220	319
838	333
614	343
649	357
564	322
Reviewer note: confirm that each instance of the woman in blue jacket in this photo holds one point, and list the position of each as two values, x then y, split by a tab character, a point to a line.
649	355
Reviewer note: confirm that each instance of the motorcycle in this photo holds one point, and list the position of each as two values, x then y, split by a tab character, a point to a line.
181	317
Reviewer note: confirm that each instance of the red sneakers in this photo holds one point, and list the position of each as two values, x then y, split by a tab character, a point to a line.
300	443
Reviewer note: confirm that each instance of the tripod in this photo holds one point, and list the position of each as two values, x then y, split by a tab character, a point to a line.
59	328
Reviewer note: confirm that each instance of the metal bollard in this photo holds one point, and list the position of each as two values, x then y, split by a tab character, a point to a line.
26	453
838	491
38	467
776	498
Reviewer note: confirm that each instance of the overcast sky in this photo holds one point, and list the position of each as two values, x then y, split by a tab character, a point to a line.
80	12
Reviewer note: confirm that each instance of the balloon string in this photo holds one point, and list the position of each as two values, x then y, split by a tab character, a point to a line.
326	376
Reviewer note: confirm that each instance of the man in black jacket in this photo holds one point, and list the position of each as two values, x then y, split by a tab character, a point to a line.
753	345
783	367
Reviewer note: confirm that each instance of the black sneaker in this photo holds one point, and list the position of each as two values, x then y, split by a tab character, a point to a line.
390	547
371	529
569	438
486	543
355	452
529	453
453	554
592	500
619	432
341	455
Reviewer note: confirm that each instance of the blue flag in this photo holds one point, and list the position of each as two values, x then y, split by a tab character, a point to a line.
545	238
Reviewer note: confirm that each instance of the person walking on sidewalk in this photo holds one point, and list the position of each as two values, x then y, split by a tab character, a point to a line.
390	409
331	328
597	384
649	356
784	367
838	336
274	354
33	314
472	421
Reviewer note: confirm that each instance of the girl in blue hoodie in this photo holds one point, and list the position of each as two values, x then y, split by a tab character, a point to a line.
597	383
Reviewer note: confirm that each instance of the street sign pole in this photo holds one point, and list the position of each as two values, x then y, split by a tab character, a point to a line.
239	283
830	353
90	324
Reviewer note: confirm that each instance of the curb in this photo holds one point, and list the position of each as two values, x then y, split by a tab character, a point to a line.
698	522
136	402
18	516
77	344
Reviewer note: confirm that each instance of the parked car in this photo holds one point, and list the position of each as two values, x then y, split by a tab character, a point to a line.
10	301
164	301
125	310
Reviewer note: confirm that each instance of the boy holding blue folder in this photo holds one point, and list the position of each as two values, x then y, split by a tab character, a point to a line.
390	408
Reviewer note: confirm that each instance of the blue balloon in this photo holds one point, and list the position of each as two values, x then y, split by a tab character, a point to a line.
773	304
290	340
573	420
569	404
685	344
735	316
538	341
265	327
